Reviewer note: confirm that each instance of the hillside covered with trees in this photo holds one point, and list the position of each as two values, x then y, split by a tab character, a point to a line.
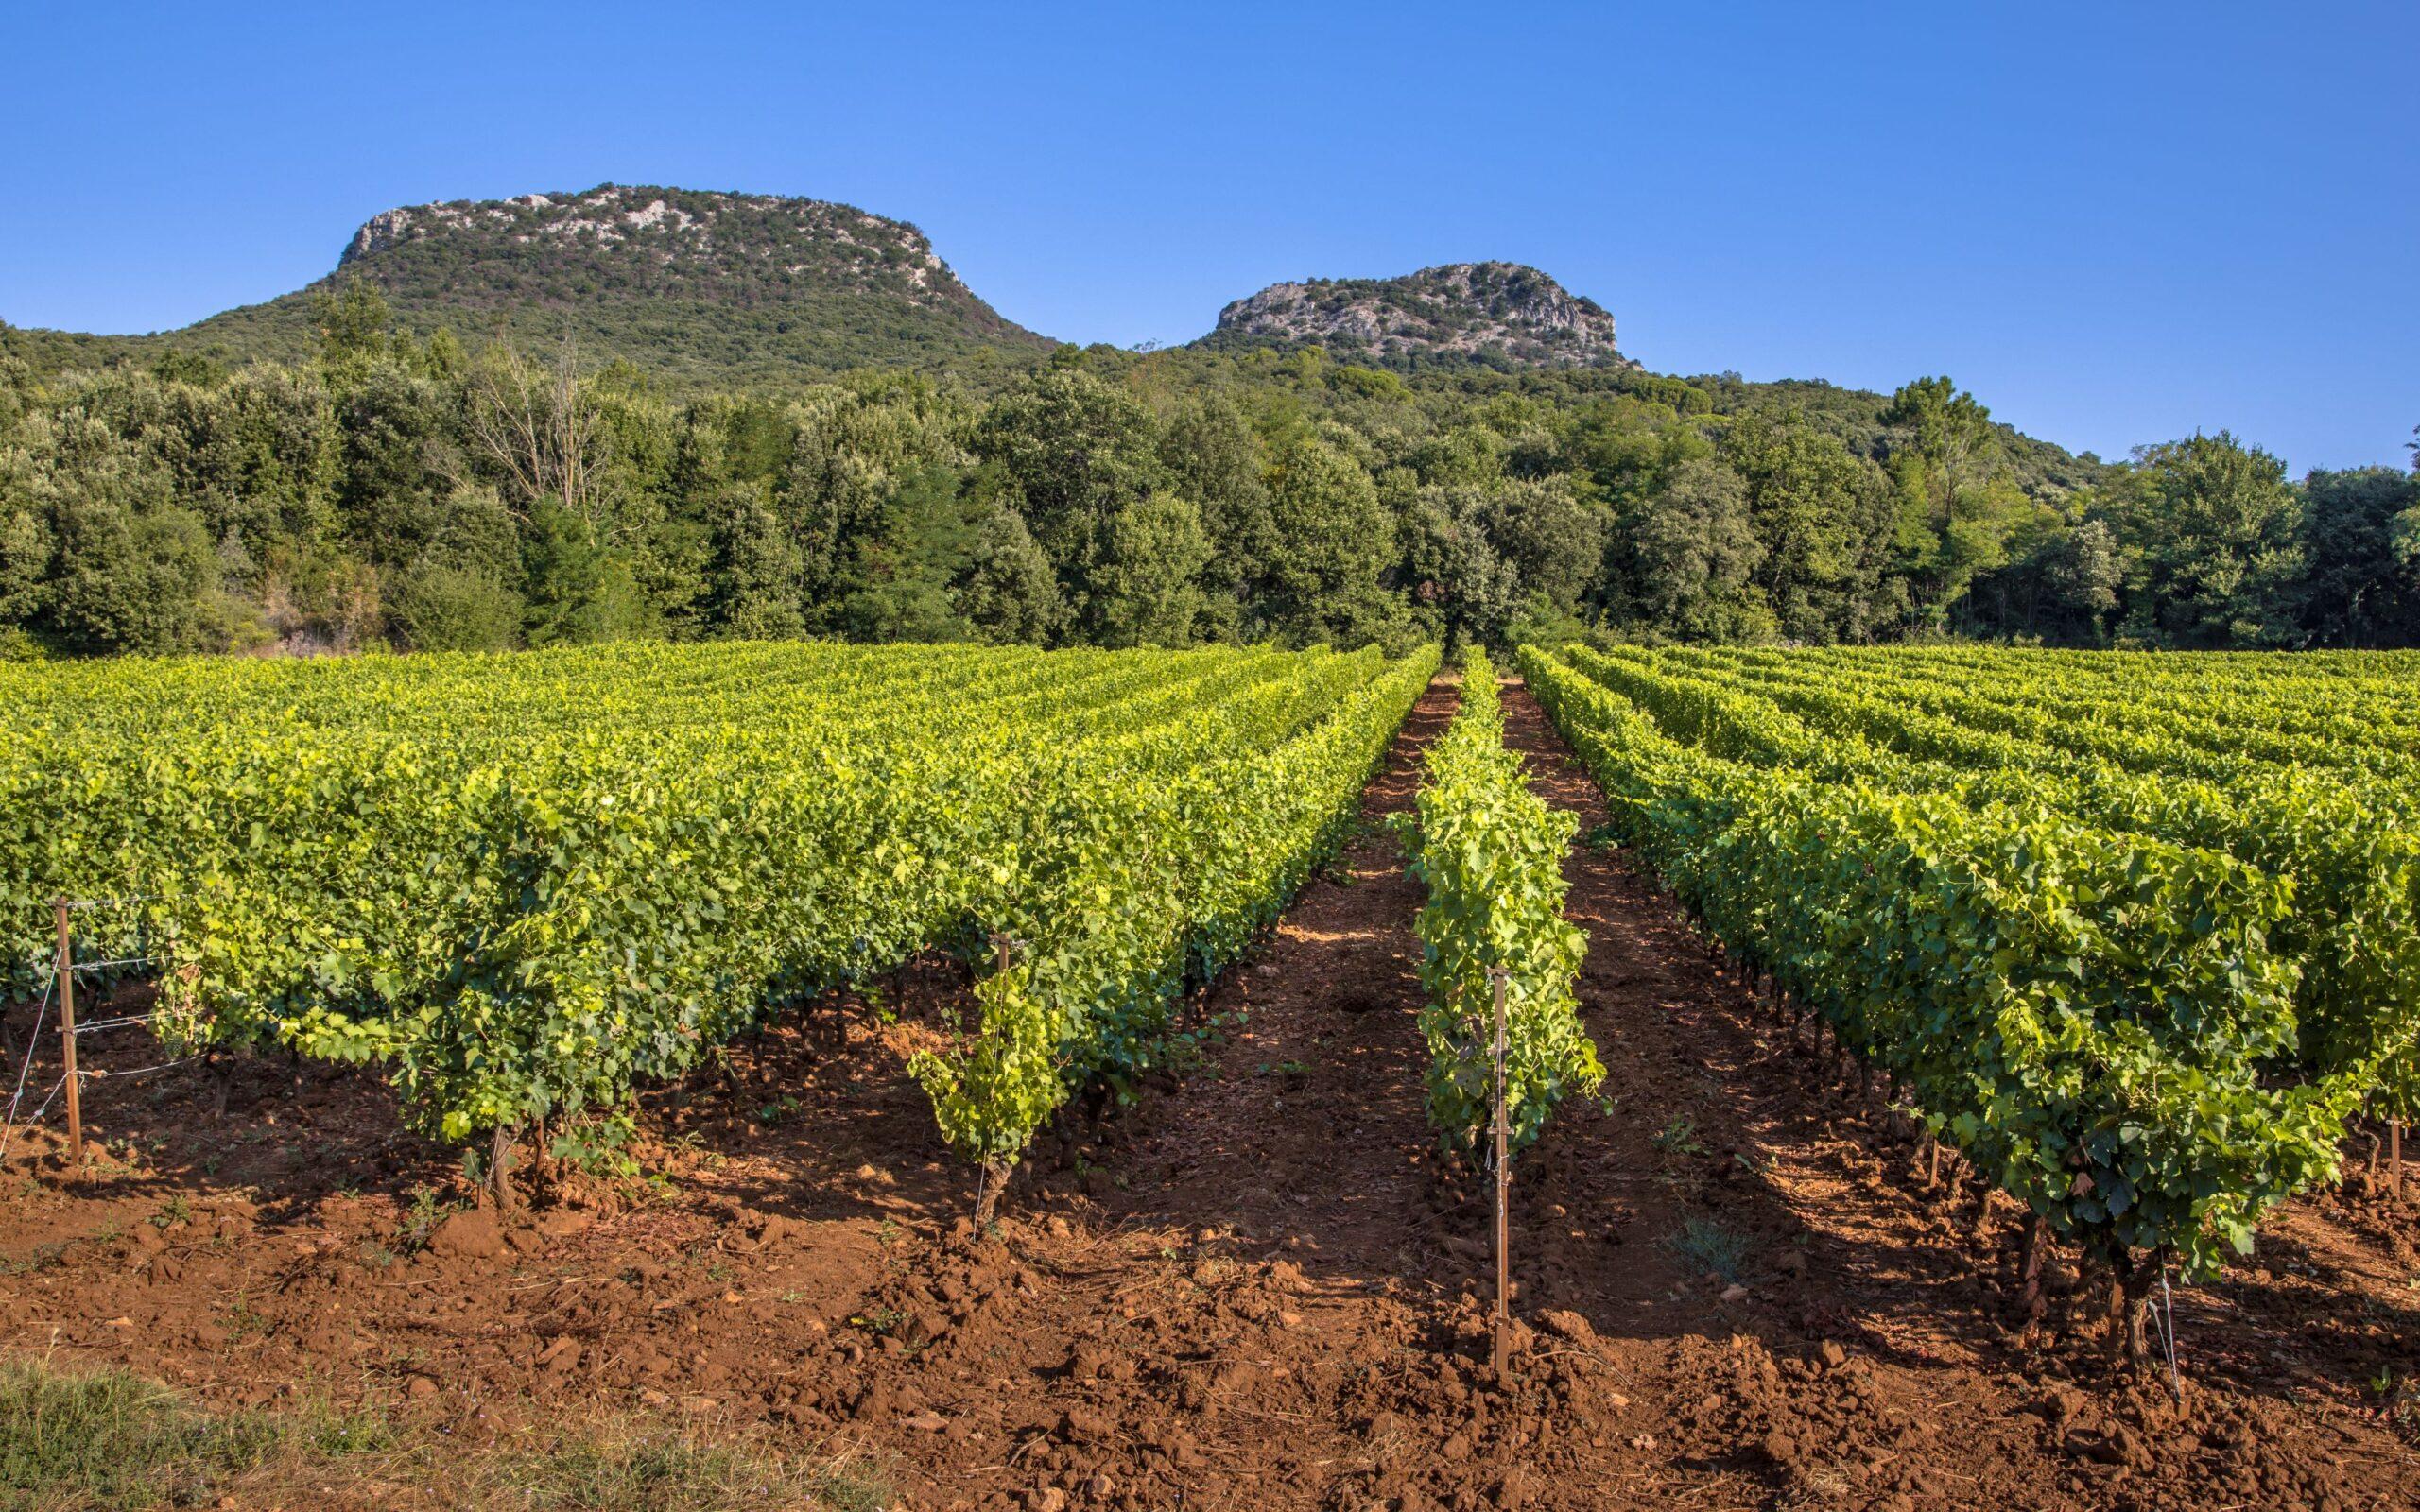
475	460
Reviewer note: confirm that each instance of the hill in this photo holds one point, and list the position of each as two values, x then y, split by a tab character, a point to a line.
686	283
1496	315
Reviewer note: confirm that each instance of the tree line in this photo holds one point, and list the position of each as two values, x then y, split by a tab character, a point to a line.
395	490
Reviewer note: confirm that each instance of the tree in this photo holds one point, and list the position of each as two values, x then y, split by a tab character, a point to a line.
453	609
1696	554
1462	587
752	569
1212	458
1076	451
901	567
130	580
2083	573
1332	540
352	321
579	591
2213	525
1552	535
1954	508
2358	588
1006	591
1822	515
1147	589
532	422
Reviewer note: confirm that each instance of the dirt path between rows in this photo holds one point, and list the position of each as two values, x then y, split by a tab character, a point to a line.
1257	1288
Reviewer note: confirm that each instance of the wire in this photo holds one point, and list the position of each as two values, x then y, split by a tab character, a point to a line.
9	1132
40	1016
139	1070
98	966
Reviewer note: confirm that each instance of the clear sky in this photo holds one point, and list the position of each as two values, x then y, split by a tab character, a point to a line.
2116	223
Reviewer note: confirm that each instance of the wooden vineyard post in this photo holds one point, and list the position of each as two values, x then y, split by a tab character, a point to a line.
1503	1184
67	1036
2394	1155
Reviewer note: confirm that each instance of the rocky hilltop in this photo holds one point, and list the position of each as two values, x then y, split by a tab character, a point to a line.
620	241
1500	315
685	283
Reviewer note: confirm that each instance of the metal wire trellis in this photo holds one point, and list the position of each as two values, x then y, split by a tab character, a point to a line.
16	1118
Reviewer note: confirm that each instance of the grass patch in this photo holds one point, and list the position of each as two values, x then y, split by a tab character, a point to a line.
1711	1247
672	1472
109	1439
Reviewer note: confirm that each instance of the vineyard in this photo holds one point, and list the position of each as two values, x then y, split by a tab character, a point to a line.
530	884
2138	963
1874	1058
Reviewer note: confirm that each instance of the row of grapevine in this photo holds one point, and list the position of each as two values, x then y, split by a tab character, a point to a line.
1490	854
2091	1015
2350	847
1135	889
526	884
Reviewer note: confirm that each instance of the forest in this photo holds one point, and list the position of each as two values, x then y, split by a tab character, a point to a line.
435	493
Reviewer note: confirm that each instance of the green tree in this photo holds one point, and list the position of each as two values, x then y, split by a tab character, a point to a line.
752	568
1147	589
579	591
2356	588
1077	452
1823	516
452	609
1006	591
1212	456
1954	508
353	323
2213	527
1553	537
904	563
1463	589
1332	538
2084	574
1696	554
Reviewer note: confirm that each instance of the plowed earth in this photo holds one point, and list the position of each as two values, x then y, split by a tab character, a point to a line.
1258	1287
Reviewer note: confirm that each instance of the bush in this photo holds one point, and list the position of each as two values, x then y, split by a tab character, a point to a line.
447	608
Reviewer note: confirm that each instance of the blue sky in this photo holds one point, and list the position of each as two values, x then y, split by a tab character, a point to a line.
2116	223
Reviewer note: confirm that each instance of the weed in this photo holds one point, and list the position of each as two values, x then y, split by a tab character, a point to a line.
427	1212
1710	1248
773	1112
172	1213
598	1145
1680	1137
242	1321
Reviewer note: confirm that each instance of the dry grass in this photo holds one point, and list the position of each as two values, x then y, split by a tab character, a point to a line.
82	1442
